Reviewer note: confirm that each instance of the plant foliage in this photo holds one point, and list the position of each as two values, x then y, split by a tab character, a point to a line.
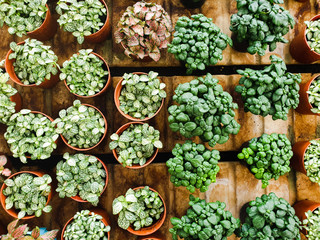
312	224
314	95
311	161
312	35
7	107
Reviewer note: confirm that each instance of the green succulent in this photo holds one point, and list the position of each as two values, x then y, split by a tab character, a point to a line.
312	35
312	224
7	107
314	96
311	161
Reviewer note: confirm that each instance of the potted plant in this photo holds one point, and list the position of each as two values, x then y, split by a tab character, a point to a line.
192	3
135	145
87	225
139	96
270	217
4	171
86	74
142	211
193	166
82	126
86	20
26	194
143	30
198	42
271	91
81	177
260	24
204	221
204	110
30	63
268	156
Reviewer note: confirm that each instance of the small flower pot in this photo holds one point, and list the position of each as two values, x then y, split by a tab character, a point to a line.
192	4
297	161
117	93
105	132
136	166
47	29
106	86
47	83
12	212
299	48
17	100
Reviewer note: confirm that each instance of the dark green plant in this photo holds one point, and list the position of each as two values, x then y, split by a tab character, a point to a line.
198	42
204	110
268	156
204	221
270	217
314	96
261	24
311	161
271	91
312	35
7	107
193	166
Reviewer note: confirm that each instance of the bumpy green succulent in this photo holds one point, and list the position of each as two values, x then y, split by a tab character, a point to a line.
311	161
7	107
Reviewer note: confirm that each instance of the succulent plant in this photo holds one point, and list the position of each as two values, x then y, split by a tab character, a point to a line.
28	194
143	30
81	175
198	42
314	95
81	17
22	16
82	126
31	134
261	24
86	225
312	224
141	95
136	144
138	208
204	110
4	171
34	62
311	161
7	107
271	91
312	35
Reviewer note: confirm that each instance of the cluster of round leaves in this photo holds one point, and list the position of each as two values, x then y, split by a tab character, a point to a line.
198	42
312	224
312	35
271	91
7	107
204	110
268	156
270	217
204	221
261	24
193	166
314	96
311	161
84	73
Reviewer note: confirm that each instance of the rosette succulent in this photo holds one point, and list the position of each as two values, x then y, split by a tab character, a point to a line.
311	161
314	95
7	107
312	224
312	35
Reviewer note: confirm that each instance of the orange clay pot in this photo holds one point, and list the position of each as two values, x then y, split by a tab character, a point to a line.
47	83
155	236
12	212
135	166
17	99
105	132
106	86
117	93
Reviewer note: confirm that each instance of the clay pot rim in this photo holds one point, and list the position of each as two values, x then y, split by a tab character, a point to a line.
42	24
316	17
135	166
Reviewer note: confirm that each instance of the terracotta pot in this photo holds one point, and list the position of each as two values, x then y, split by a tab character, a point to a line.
17	99
297	161
10	70
299	48
105	220
302	207
106	86
12	212
103	136
103	33
146	58
47	29
191	4
136	166
117	93
79	199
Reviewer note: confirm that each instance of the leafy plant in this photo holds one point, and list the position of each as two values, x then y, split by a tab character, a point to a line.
141	95
84	73
139	208
7	107
261	24
22	16
135	144
204	221
193	166
312	35
143	30
30	134
204	110
311	161
270	217
81	175
4	171
311	224
34	62
268	156
271	91
86	225
28	194
82	126
198	42
81	18
314	96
